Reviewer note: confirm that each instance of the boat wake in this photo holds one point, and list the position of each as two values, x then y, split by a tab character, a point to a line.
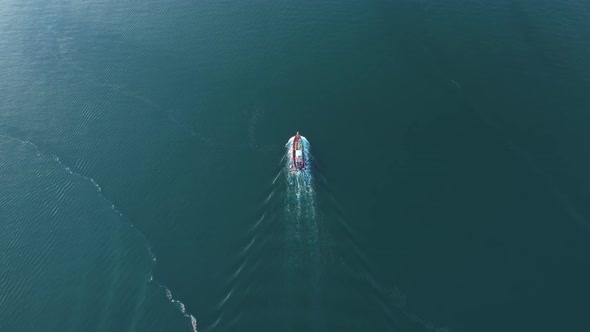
300	208
302	233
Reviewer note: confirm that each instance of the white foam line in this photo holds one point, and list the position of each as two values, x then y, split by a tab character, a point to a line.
276	177
259	221
178	304
239	270
245	250
269	197
229	294
181	307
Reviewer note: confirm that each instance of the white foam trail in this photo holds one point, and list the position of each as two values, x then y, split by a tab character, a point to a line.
180	307
98	188
300	207
302	237
276	177
248	246
239	270
229	294
259	221
269	197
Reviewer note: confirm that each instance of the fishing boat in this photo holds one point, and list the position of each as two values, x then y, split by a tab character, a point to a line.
298	153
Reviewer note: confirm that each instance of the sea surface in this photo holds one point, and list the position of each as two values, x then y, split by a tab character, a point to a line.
145	182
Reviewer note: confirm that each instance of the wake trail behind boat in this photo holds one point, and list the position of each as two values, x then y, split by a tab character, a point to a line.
300	205
302	236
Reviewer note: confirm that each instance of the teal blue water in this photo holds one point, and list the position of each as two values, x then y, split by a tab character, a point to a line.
145	183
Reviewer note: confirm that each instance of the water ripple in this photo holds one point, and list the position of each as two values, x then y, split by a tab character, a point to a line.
62	194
